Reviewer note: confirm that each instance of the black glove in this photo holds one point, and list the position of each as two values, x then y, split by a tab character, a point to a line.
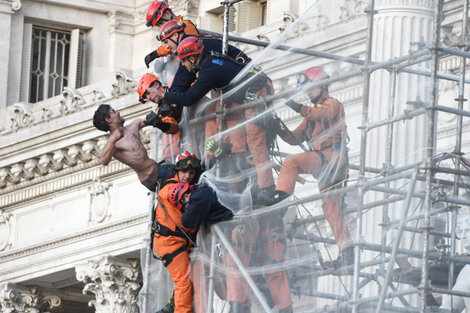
297	107
150	57
218	151
153	119
164	109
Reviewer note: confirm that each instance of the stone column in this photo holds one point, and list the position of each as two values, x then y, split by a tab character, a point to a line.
400	26
20	299
114	281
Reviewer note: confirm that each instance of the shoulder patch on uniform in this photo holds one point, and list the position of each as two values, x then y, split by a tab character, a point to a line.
218	61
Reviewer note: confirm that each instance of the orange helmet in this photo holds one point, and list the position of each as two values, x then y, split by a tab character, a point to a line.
176	194
186	160
155	12
169	28
188	47
145	82
314	73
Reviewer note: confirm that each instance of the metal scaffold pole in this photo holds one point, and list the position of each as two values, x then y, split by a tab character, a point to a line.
458	144
430	150
362	165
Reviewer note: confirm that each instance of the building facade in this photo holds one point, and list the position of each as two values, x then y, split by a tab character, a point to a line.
71	230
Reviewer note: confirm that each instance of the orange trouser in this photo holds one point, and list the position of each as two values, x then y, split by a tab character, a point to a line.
179	270
253	134
311	163
170	144
256	139
235	136
246	239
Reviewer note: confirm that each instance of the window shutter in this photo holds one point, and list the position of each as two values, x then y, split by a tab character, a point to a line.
248	16
74	61
26	61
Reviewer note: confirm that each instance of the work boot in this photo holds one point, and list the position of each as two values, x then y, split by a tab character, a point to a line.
345	258
286	310
237	307
169	307
267	197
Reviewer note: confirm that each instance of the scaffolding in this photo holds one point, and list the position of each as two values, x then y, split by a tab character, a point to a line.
398	285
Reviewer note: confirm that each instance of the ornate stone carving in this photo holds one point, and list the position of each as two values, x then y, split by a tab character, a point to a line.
72	101
99	200
113	22
406	3
114	281
16	298
54	161
351	8
97	96
5	229
124	84
15	5
22	116
263	37
46	114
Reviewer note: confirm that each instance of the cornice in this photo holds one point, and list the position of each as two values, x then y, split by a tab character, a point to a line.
76	237
57	170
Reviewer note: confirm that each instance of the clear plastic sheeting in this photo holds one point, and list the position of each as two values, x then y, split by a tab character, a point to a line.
336	210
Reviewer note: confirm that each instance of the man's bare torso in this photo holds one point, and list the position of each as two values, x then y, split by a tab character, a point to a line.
130	150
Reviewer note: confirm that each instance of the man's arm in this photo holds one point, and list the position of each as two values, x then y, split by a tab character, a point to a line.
108	150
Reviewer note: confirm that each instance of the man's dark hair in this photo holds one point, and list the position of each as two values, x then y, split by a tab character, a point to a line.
99	119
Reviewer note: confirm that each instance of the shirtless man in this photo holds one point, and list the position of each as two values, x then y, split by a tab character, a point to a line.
124	144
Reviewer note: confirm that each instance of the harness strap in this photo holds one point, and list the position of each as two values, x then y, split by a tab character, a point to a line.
167	258
162	230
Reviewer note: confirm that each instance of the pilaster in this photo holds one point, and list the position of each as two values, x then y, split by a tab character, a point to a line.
7	8
114	281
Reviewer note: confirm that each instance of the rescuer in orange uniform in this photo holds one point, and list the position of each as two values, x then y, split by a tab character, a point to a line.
158	13
166	117
217	71
172	241
324	130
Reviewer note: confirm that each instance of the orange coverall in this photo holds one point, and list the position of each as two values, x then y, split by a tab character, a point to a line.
252	134
179	268
171	139
323	126
252	239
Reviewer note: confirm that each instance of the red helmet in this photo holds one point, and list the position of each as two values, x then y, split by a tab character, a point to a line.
145	82
189	46
169	28
155	12
313	74
177	192
187	160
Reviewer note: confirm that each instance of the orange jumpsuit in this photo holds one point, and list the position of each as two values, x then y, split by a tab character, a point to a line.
179	268
323	126
259	239
171	139
253	135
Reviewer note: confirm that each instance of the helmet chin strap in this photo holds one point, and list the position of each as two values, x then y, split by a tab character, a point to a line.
315	100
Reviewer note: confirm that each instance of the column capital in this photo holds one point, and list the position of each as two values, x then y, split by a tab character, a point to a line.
16	298
114	281
10	6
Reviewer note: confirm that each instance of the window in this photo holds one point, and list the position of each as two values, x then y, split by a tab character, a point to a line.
51	61
264	12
